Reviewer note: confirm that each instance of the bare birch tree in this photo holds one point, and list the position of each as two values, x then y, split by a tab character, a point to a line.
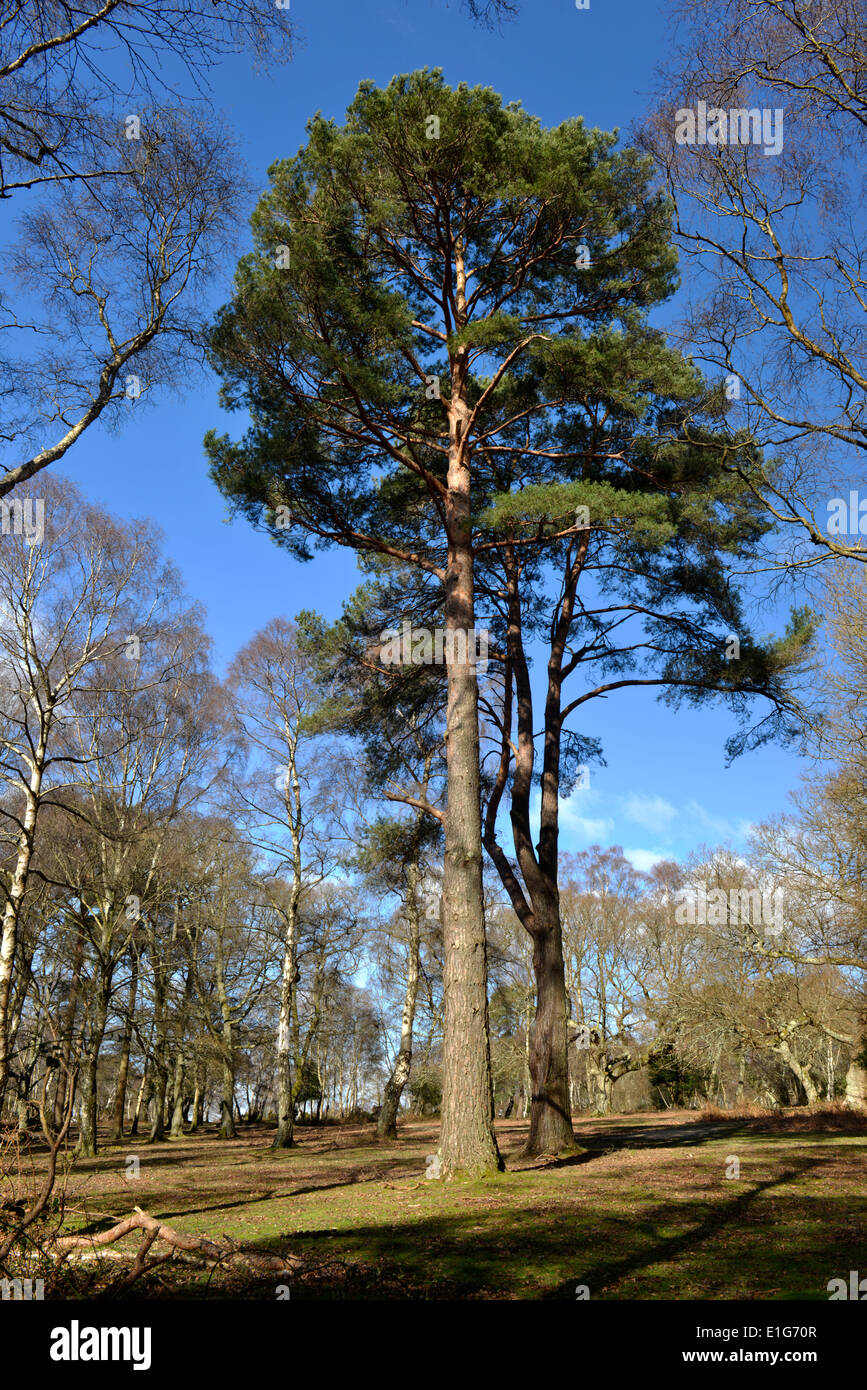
759	131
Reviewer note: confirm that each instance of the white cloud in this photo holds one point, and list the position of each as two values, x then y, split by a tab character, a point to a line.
644	859
653	812
593	831
575	821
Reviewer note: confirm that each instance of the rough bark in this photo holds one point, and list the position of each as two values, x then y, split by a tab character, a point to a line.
550	1111
467	1142
177	1125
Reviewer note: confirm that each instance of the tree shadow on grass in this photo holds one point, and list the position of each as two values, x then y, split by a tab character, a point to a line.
768	1241
511	1253
733	1213
168	1204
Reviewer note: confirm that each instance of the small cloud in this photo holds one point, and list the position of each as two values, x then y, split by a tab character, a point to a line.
644	859
575	820
653	812
588	828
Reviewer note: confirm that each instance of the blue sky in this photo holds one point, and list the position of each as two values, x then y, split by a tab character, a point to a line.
665	789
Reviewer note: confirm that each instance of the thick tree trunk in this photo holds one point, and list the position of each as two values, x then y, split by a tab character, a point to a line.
550	1111
601	1083
86	1146
386	1125
467	1140
801	1075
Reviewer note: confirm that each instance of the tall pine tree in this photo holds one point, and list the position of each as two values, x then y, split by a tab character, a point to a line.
432	283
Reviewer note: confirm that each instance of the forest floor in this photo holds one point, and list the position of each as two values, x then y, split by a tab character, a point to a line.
647	1212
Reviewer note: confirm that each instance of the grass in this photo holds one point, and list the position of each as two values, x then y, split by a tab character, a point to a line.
646	1213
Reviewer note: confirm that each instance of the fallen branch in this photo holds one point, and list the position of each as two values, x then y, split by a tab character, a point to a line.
225	1252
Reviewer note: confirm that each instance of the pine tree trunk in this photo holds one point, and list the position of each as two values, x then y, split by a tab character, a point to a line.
550	1111
467	1142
